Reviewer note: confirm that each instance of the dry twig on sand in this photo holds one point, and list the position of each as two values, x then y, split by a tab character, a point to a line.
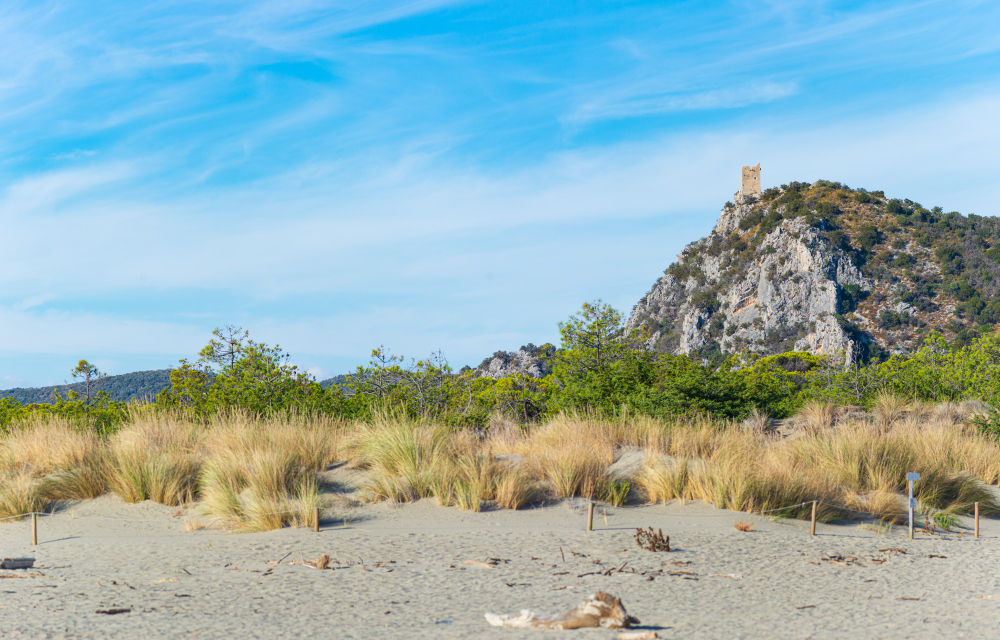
743	526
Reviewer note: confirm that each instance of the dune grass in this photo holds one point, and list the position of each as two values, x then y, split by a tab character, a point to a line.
260	474
19	495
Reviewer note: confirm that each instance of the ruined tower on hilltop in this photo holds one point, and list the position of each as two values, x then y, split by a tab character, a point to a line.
749	183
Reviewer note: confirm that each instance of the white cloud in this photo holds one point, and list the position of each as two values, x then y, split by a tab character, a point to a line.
44	191
12	382
33	301
644	105
319	373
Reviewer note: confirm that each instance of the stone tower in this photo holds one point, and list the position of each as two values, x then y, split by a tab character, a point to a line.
749	182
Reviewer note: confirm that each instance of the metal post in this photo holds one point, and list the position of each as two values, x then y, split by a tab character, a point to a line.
911	478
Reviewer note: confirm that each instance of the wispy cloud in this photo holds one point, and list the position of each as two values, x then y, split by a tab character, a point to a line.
725	98
45	190
32	302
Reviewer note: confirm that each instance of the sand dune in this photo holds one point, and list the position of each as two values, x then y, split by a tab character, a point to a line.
402	572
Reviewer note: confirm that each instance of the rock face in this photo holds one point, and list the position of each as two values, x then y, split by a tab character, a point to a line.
803	268
529	360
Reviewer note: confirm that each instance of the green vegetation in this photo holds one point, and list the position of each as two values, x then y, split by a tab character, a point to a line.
244	433
599	368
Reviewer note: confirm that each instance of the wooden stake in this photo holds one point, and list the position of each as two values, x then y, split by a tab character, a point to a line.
590	517
977	519
34	528
812	527
316	519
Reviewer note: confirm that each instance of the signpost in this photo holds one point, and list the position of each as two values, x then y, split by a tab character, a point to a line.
911	478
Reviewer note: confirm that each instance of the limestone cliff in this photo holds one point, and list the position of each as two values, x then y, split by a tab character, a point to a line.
826	269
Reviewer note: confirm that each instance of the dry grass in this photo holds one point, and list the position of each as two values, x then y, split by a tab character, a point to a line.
665	480
888	408
757	421
155	458
515	487
258	479
816	417
261	474
42	446
19	495
573	472
402	454
193	524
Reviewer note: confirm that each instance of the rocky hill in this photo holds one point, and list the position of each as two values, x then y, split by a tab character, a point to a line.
529	360
825	268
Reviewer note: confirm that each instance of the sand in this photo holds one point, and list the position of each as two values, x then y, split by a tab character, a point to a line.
401	572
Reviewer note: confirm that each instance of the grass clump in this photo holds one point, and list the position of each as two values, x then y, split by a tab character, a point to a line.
665	480
19	495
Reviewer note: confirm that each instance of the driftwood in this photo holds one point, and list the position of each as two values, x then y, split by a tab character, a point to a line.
321	562
599	610
638	635
16	563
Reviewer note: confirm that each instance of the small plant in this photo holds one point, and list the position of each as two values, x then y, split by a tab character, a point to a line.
652	540
881	529
616	493
988	424
944	520
929	526
743	526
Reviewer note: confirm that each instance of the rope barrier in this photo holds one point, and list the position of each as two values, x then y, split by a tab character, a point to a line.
21	515
248	515
801	504
521	512
538	513
901	515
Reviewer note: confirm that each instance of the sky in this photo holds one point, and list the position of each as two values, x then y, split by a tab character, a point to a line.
435	175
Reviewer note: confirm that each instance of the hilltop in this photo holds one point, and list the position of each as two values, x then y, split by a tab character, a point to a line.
829	269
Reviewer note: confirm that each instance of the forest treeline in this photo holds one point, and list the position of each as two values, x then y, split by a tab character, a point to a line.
600	367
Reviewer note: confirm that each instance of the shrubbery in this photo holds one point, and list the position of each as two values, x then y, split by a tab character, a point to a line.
600	368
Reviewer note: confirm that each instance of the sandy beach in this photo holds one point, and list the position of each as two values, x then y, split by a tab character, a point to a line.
402	572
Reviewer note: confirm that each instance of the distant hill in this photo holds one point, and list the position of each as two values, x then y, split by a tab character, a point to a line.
139	385
336	380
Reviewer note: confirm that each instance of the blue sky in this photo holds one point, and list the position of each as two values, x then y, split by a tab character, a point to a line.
434	175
